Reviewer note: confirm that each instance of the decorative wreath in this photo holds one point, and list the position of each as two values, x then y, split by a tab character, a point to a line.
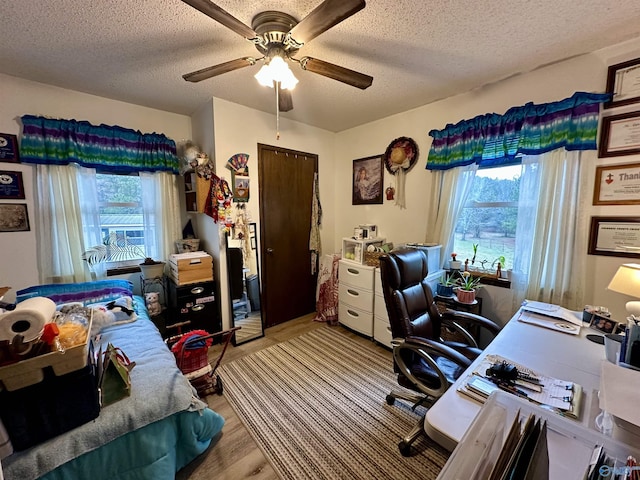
401	154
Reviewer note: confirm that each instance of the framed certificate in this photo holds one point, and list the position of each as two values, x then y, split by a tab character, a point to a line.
623	83
617	185
620	135
9	148
11	185
615	236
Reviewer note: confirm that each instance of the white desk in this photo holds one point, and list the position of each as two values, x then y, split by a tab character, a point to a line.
557	354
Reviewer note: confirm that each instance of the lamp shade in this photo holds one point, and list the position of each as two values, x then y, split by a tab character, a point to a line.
626	280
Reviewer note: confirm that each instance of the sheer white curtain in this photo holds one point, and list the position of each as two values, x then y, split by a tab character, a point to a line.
449	192
61	238
69	222
161	211
550	227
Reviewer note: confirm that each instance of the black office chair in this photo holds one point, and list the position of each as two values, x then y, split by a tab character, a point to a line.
423	361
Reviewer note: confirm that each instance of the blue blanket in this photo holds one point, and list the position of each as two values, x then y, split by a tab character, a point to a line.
162	408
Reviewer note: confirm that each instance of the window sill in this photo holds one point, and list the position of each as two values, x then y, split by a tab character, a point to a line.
122	270
490	279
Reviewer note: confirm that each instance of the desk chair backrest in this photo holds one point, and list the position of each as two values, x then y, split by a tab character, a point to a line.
409	300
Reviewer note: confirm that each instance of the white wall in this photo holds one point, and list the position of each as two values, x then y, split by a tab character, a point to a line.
239	129
552	83
18	259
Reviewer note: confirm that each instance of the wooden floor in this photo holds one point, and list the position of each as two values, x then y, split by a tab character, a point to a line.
235	454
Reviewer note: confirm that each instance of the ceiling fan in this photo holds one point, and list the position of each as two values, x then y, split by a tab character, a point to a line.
278	37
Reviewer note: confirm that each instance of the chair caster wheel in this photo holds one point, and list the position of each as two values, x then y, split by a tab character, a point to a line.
390	400
405	448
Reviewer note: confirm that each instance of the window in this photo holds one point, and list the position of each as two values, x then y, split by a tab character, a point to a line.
121	218
489	219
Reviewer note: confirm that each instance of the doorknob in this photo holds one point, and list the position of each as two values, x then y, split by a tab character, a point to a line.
269	251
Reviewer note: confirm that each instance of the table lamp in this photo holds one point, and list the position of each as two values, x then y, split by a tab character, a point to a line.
627	281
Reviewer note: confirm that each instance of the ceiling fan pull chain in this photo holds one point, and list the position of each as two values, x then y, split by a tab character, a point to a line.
277	89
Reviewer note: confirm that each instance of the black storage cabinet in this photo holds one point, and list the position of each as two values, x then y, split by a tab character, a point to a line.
196	304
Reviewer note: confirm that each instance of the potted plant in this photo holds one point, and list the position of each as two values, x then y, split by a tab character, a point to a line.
151	268
467	286
453	263
445	285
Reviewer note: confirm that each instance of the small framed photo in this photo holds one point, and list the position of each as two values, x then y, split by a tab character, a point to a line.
240	187
11	185
9	148
620	135
14	217
623	83
617	185
603	324
253	243
367	180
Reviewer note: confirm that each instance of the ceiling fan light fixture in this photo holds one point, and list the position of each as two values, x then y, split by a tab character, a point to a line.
277	70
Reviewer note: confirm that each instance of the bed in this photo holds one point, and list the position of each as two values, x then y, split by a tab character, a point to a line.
157	430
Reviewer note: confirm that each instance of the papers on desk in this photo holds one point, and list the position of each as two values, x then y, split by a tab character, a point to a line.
558	395
550	316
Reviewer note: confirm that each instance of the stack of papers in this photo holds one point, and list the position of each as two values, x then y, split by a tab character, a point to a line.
555	394
550	316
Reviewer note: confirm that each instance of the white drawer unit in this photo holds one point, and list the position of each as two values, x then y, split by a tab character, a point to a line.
381	329
356	297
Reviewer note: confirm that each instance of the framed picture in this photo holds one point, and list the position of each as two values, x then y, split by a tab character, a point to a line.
9	148
14	217
240	187
367	180
11	186
615	236
617	185
623	83
253	242
620	135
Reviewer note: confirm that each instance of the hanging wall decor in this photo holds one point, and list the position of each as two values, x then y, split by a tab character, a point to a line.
367	181
401	155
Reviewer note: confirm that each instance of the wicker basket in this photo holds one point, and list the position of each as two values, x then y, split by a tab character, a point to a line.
372	258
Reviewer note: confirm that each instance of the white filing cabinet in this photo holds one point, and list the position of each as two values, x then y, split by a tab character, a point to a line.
356	297
381	328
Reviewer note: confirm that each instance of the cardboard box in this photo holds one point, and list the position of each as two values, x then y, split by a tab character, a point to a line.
190	267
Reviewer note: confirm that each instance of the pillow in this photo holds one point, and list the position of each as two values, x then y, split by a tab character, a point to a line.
85	293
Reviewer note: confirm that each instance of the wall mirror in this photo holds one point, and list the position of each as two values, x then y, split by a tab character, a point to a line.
243	267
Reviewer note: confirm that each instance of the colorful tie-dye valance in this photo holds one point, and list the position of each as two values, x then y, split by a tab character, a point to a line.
106	148
492	139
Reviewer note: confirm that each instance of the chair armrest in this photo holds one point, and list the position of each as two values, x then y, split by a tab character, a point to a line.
439	348
424	348
455	316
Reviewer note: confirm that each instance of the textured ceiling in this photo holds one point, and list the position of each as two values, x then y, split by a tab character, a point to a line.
417	51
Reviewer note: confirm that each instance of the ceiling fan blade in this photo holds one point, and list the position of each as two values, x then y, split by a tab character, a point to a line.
344	75
219	15
219	69
285	102
323	17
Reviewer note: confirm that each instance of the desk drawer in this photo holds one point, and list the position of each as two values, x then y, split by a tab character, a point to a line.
356	319
382	331
360	276
380	307
356	297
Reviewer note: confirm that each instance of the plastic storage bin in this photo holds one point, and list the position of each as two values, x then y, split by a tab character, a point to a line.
570	444
353	250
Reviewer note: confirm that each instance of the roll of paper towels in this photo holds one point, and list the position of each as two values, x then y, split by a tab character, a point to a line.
28	319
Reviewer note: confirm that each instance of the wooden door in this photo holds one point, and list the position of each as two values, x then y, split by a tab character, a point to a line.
286	187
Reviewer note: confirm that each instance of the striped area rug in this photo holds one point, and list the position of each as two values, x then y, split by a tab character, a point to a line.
316	407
